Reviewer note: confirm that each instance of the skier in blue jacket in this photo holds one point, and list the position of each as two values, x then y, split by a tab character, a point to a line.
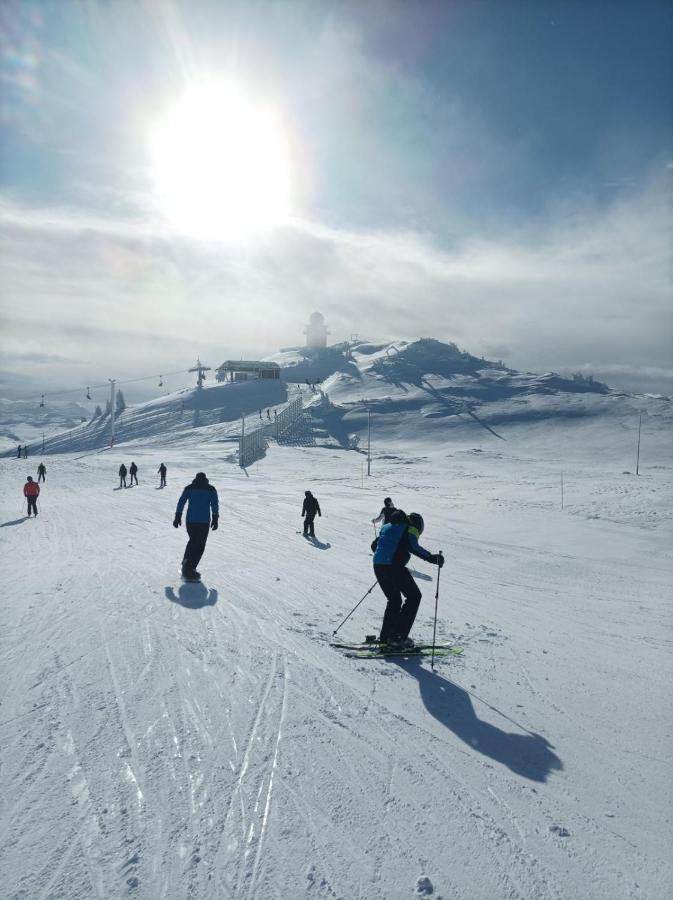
393	547
202	499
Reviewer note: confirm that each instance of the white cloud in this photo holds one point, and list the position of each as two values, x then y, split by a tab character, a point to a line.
124	298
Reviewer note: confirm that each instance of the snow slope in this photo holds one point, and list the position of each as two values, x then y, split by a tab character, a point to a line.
162	740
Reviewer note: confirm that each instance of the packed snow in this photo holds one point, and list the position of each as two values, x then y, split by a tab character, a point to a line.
169	740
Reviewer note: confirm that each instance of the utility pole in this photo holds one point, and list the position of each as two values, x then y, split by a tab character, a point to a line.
43	441
640	422
561	490
112	410
369	441
200	369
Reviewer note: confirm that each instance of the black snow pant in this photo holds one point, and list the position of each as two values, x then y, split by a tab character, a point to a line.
133	475
308	524
163	481
32	504
41	477
198	535
398	619
122	480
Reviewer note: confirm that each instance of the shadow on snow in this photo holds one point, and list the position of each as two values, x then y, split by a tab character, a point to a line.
193	595
529	755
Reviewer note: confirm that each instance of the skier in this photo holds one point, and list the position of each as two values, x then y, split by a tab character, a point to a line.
162	473
392	548
268	415
25	451
18	452
386	512
122	475
42	472
309	509
31	491
133	472
202	499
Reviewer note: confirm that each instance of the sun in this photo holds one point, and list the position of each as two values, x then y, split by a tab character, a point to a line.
220	164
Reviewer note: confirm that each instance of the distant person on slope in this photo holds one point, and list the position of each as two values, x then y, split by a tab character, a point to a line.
122	475
31	491
42	472
309	509
392	550
133	472
18	452
162	474
386	513
25	451
202	499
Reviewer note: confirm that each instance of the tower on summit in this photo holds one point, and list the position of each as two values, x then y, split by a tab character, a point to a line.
316	331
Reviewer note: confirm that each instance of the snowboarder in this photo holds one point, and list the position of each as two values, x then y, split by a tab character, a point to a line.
202	499
18	452
162	474
397	540
42	472
31	491
386	512
309	508
133	472
122	475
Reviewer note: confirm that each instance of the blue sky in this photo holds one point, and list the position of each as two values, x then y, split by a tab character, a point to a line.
494	173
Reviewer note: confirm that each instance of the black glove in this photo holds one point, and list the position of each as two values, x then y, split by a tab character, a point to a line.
177	522
436	559
375	544
213	524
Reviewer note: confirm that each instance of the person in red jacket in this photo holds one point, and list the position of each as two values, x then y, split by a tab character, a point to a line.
31	491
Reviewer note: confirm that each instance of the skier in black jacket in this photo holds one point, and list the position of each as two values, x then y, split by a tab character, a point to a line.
162	474
133	472
308	511
122	475
386	512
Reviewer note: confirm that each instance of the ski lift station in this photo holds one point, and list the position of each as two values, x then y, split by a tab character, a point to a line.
245	370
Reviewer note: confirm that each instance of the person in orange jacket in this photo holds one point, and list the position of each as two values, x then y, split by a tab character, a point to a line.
31	491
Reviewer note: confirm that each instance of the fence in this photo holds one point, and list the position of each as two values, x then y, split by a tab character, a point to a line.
286	418
251	444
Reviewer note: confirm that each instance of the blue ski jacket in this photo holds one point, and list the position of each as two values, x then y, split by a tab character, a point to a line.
396	543
202	498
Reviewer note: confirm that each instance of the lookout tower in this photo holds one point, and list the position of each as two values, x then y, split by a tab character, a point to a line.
316	331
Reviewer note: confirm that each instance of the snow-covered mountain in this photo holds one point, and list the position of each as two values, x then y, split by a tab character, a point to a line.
24	421
409	392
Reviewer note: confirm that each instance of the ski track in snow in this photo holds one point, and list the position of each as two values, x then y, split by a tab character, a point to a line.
163	740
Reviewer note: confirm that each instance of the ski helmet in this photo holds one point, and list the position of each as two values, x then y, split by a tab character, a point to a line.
416	521
387	502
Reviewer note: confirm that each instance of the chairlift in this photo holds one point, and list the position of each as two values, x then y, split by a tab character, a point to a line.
88	393
42	400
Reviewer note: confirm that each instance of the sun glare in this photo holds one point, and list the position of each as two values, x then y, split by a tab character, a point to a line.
220	165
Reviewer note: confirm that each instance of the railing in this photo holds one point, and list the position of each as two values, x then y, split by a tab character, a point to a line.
285	419
251	444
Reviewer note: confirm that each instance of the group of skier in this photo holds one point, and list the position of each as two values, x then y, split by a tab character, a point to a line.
393	547
132	472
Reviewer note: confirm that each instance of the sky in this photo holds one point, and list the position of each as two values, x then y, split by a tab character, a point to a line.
195	179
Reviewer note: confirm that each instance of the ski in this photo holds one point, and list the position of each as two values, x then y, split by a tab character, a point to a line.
375	645
411	651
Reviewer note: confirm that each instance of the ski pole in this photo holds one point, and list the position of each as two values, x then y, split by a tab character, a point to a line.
355	607
434	627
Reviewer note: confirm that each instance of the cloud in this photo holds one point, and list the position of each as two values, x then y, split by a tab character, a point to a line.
123	298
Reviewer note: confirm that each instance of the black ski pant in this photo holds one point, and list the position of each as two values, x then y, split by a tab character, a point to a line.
398	619
133	475
162	483
41	477
122	480
198	535
32	504
308	524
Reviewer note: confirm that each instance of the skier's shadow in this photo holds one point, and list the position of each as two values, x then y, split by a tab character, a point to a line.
193	595
319	544
528	754
14	522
